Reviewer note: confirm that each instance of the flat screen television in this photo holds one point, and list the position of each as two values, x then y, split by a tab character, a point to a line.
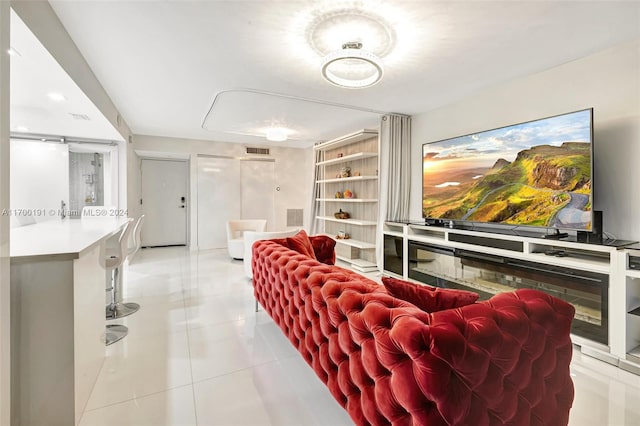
537	173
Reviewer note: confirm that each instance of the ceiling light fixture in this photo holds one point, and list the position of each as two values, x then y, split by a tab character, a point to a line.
352	67
57	97
276	134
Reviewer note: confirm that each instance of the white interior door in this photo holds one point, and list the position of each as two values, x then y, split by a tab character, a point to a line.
257	187
164	202
218	199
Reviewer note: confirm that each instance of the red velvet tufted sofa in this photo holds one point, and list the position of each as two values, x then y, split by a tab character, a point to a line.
500	362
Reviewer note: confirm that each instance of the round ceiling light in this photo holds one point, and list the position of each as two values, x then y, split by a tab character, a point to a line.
352	67
276	134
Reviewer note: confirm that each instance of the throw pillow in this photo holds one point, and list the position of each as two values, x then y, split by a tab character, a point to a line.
301	243
324	248
427	298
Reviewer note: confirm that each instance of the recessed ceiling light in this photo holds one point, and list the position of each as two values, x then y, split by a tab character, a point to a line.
13	52
57	97
277	134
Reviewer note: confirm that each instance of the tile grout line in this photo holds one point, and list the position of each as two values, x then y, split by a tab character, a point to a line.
184	306
228	373
145	395
136	398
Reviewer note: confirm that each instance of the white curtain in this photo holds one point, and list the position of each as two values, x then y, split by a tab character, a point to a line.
394	175
314	226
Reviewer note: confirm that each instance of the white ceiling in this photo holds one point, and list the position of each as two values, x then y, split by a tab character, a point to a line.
164	63
34	75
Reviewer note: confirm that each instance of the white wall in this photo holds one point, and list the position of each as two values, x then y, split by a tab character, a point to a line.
293	174
131	170
5	367
39	179
608	81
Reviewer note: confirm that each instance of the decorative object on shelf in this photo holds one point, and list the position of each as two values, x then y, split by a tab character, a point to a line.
341	215
342	236
348	194
356	173
338	194
345	172
339	155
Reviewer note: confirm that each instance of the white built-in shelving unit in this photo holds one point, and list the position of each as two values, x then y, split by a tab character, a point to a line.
632	318
359	153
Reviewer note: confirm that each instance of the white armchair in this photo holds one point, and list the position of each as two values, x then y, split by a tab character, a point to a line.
251	237
235	235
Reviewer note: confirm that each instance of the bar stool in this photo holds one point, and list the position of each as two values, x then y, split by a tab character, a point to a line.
117	308
137	240
113	261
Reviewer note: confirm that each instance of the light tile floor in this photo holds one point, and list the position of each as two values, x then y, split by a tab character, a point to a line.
198	354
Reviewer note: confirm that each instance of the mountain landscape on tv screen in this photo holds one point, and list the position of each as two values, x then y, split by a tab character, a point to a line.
545	185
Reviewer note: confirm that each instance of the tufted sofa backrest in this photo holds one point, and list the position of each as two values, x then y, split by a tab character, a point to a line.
504	361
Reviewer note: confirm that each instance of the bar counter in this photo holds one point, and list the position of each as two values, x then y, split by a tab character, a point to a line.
58	285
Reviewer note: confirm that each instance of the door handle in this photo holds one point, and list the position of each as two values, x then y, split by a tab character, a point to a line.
182	206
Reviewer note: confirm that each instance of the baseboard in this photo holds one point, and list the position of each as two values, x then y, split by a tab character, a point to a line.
601	355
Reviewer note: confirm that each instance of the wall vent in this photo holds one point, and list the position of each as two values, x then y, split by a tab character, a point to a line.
294	217
84	117
257	151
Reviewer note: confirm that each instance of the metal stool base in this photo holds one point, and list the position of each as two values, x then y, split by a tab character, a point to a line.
120	310
114	333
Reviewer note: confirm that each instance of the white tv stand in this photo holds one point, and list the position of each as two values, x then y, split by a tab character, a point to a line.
461	247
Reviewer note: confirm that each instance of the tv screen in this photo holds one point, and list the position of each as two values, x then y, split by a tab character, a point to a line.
537	173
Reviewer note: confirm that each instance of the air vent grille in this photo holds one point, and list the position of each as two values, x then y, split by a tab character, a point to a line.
84	117
258	151
294	217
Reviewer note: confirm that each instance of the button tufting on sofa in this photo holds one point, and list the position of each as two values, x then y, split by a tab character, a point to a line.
501	361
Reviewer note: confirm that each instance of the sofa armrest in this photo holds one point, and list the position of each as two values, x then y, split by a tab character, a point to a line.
503	361
251	237
324	248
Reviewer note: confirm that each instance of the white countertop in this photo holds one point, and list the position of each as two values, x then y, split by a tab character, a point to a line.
67	237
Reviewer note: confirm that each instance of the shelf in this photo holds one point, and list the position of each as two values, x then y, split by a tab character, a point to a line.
347	179
394	233
633	273
360	264
348	221
349	200
358	136
355	243
570	261
346	158
634	354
